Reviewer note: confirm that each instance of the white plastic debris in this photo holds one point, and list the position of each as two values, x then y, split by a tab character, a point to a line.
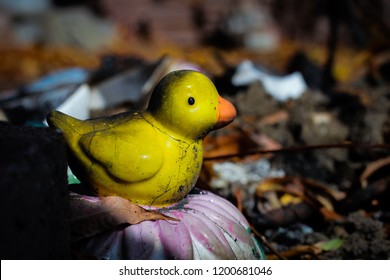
243	173
282	88
77	105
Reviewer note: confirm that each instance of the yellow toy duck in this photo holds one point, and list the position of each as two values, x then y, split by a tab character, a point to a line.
150	157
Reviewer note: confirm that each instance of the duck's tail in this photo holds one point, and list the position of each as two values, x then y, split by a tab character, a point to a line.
71	127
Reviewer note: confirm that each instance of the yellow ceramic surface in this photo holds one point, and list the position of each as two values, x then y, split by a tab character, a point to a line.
151	157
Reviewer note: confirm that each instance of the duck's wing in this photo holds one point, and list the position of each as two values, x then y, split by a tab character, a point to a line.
126	154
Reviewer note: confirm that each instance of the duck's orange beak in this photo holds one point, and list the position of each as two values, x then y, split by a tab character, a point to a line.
226	113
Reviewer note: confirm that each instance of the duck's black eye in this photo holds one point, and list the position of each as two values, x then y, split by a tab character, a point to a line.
191	100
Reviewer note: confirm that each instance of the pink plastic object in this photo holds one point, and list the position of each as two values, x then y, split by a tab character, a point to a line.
210	227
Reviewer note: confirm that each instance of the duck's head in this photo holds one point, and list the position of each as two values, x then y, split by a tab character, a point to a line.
187	102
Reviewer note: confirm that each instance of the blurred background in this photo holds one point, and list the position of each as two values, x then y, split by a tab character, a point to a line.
44	35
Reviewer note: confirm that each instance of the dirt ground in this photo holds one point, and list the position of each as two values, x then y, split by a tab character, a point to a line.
328	194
